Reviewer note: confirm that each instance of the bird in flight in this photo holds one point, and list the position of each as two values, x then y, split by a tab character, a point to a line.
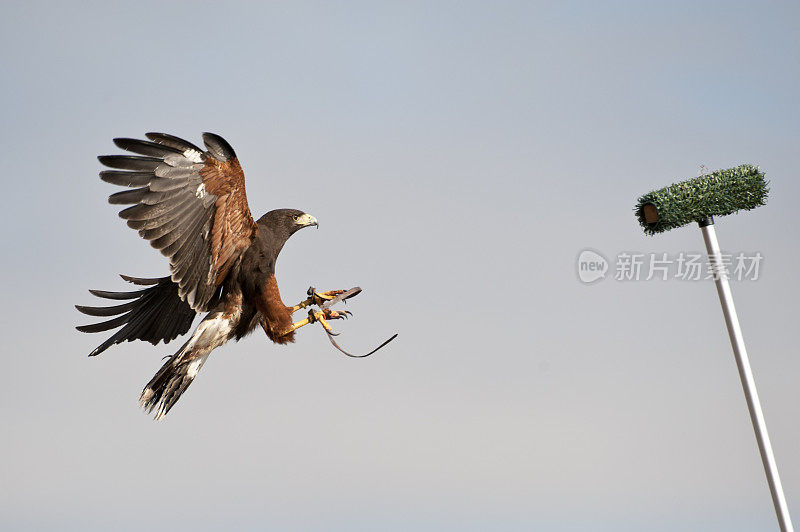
191	205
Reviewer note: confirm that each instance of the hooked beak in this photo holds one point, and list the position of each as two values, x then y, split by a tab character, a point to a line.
305	220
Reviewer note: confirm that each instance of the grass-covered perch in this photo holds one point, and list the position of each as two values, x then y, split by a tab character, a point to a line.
717	194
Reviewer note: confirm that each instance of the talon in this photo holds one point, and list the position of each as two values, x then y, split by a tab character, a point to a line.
335	315
320	297
330	294
324	323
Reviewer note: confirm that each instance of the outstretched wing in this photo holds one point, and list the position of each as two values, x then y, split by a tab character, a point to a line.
189	203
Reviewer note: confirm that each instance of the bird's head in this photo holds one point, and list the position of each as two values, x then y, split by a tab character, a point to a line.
285	222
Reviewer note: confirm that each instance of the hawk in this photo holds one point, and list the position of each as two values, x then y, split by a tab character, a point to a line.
190	204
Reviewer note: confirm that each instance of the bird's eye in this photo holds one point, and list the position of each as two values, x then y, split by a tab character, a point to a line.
296	217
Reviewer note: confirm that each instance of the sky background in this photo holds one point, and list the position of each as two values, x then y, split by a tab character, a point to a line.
459	157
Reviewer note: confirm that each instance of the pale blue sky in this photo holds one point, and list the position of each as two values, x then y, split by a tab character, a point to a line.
459	156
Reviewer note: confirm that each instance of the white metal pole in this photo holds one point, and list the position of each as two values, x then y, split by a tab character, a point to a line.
746	375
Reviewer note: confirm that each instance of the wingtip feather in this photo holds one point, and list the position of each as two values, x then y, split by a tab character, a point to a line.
218	147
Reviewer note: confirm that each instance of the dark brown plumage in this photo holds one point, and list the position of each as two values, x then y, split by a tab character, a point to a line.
191	205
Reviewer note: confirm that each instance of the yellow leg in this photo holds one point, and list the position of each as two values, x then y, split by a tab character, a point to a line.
316	298
321	316
296	325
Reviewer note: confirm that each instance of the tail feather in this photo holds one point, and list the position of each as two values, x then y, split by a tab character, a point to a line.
152	314
164	390
167	386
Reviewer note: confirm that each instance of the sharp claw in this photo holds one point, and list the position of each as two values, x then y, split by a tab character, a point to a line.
337	314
